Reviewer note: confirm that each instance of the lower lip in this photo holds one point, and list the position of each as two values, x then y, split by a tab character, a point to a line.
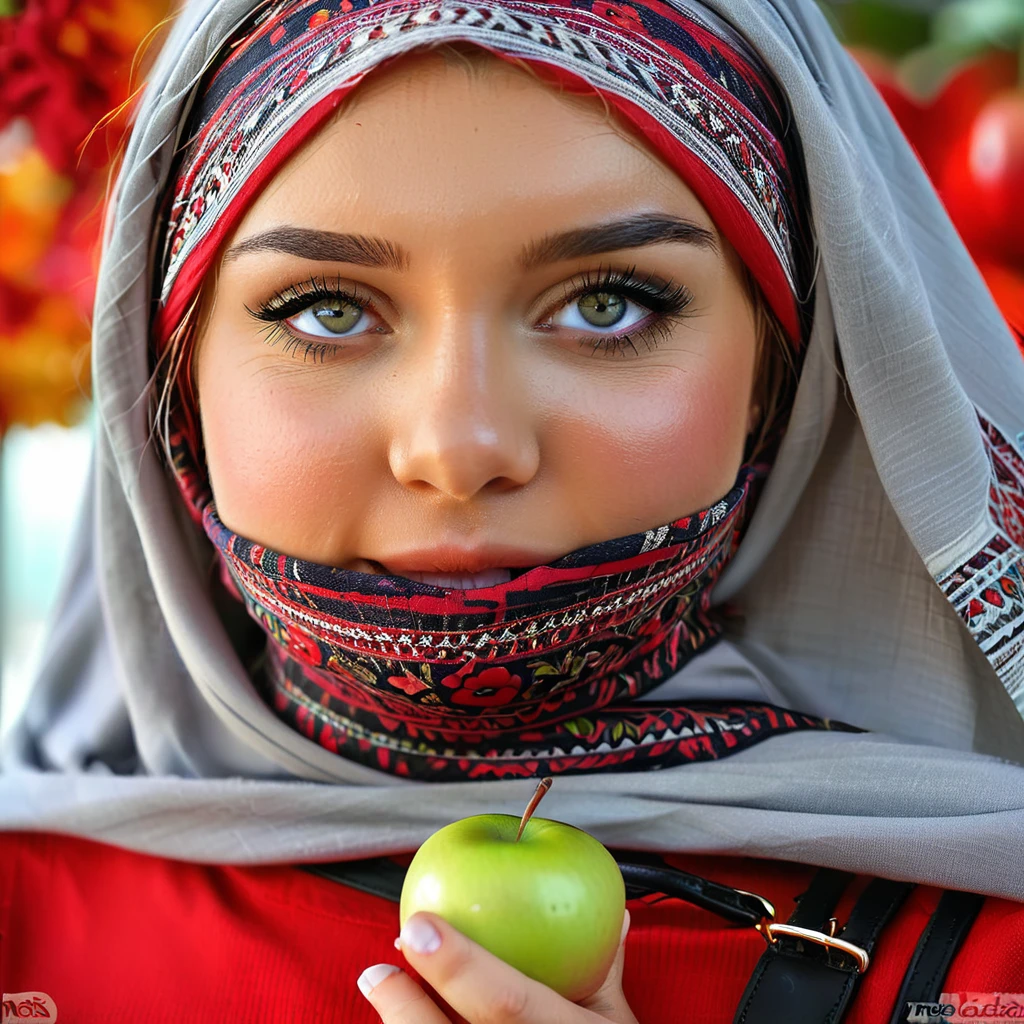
461	581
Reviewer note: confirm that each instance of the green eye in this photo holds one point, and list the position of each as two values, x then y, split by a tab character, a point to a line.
335	315
602	309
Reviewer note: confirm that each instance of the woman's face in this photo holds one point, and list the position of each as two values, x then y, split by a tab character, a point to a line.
471	326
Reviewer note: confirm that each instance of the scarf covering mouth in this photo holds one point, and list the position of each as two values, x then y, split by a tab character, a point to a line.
539	675
536	676
878	578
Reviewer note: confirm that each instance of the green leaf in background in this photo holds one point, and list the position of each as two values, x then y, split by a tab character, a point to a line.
882	26
8	7
930	40
978	24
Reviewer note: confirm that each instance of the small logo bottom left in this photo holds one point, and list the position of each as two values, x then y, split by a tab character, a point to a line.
28	1006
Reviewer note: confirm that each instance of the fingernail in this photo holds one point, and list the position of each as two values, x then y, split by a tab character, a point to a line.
625	926
373	976
420	935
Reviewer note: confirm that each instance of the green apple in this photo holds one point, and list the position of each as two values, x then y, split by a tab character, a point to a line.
550	904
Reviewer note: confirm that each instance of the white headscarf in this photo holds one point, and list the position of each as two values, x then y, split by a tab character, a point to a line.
143	729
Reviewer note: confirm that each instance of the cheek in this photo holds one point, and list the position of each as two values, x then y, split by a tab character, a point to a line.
667	442
290	460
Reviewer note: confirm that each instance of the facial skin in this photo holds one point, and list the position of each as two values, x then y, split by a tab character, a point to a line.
467	420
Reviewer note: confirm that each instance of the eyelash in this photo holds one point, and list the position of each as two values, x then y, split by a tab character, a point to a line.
291	301
666	301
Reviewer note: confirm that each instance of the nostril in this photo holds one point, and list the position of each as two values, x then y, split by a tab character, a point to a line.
501	484
461	464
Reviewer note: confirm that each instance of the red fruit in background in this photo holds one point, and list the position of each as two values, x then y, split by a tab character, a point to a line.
944	141
950	114
936	126
954	143
995	170
908	110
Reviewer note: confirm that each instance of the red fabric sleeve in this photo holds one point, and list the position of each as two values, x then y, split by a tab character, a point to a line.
125	938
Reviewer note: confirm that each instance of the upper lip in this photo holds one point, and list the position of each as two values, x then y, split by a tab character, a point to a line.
452	559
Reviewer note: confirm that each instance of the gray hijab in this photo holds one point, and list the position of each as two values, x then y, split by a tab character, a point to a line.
880	524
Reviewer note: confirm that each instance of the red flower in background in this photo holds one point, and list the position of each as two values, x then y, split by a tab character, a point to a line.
64	66
65	69
17	304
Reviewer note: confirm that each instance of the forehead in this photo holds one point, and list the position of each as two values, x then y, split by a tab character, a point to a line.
436	142
688	86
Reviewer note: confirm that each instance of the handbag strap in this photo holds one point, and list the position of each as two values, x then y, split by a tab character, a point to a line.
942	937
645	874
642	874
807	975
378	876
814	907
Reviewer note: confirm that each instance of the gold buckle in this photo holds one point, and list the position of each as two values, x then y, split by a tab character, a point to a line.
770	929
766	905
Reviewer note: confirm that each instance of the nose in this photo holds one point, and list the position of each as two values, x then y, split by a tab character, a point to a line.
461	424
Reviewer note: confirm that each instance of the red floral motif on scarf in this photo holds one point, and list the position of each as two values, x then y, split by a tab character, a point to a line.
408	683
490	688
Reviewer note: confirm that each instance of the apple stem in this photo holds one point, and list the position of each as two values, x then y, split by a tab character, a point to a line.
538	794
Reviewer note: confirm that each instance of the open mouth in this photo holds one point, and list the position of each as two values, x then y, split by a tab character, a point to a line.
466	580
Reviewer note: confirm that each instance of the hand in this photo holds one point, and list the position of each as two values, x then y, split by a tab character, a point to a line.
478	986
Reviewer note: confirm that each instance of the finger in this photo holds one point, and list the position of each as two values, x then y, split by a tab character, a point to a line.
475	983
609	1001
397	998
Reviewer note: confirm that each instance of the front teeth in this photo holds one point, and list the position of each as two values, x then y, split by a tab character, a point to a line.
462	581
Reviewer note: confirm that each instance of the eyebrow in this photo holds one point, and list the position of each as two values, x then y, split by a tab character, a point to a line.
629	233
324	247
367	251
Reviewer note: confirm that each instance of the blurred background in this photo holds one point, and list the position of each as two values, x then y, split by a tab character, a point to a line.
952	72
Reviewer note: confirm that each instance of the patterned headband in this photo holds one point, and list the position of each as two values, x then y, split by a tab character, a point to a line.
687	82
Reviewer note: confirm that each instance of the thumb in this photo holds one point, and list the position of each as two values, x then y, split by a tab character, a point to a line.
609	1001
